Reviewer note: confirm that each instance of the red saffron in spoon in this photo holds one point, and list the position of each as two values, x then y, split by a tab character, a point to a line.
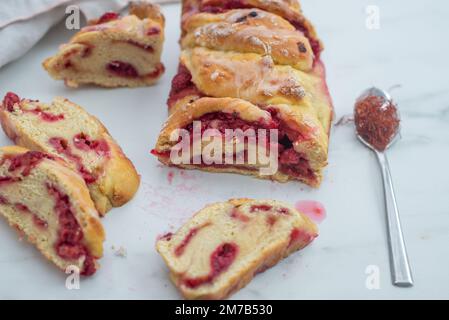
376	121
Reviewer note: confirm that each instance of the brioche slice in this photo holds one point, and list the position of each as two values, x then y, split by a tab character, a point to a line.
50	204
113	51
64	129
225	244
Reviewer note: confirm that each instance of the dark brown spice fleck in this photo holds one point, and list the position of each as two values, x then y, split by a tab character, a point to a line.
301	47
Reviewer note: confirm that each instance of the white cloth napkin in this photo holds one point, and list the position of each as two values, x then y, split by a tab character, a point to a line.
24	22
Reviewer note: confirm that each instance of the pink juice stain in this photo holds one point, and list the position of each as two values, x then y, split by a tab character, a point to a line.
186	176
313	209
170	177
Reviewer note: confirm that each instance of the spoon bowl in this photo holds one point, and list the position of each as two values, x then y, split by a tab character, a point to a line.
376	92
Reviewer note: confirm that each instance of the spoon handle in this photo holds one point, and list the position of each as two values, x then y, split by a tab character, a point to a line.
400	272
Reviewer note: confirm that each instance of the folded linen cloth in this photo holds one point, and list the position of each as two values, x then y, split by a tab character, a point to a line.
24	22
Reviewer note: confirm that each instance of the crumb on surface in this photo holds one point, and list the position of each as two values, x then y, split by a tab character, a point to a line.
120	252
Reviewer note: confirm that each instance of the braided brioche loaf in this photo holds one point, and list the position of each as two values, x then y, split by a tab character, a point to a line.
252	64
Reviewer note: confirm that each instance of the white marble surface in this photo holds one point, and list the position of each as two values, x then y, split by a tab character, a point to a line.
409	49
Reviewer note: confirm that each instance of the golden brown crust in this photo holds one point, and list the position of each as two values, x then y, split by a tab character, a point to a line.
290	10
249	31
119	182
57	171
118	179
145	9
251	258
248	76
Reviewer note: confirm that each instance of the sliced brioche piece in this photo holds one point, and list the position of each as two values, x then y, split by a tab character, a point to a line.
113	51
50	204
66	130
225	244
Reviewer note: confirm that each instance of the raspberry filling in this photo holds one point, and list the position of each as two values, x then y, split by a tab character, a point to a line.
62	147
266	207
179	250
283	211
69	244
36	219
127	70
298	235
298	23
45	116
220	260
40	222
122	69
159	69
162	154
8	180
88	48
145	47
271	218
260	207
290	162
236	214
182	86
10	100
166	236
108	16
3	200
153	31
222	121
24	209
26	161
83	142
